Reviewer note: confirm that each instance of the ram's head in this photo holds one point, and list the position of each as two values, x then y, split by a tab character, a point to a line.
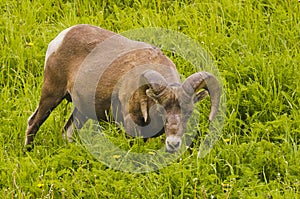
175	102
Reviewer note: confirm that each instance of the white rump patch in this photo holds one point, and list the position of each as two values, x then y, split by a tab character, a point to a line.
55	43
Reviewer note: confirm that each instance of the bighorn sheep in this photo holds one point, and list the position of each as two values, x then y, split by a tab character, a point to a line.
99	70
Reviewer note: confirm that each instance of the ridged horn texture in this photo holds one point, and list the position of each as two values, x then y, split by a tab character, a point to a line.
155	80
204	80
152	83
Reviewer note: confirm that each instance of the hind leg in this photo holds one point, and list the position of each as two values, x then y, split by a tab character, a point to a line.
49	100
76	121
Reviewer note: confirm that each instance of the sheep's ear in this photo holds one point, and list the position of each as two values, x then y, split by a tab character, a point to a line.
144	111
152	84
143	102
200	96
151	95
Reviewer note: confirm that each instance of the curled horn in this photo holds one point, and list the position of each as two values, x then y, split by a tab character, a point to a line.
151	84
204	80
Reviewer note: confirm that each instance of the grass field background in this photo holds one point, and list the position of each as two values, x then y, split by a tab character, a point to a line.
255	46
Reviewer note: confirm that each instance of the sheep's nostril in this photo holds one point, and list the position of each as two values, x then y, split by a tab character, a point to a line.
176	145
173	145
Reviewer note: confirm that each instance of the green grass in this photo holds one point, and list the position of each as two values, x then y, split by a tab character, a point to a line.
255	45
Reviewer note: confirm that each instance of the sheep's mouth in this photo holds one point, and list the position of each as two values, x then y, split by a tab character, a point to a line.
171	150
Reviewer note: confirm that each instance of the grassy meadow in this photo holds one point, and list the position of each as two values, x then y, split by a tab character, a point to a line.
256	48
